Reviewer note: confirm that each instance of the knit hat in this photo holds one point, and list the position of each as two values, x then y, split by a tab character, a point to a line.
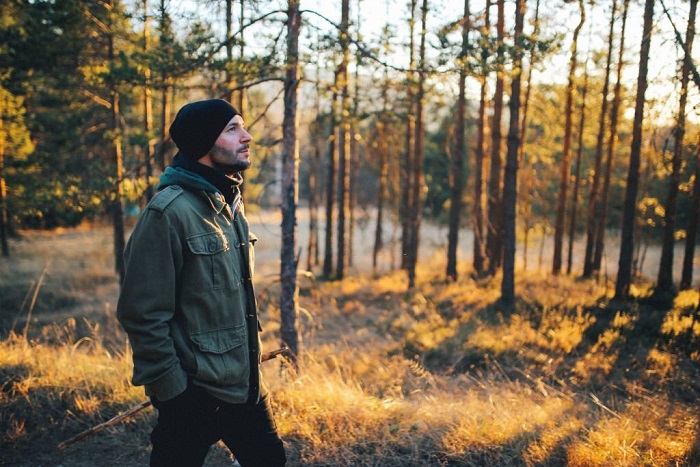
198	125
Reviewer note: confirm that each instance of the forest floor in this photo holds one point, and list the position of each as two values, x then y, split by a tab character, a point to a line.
441	375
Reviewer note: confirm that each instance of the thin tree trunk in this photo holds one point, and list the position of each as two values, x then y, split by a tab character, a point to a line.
523	170
457	161
241	51
665	279
118	161
383	174
494	243
417	182
624	273
593	201
290	186
479	240
147	108
343	146
330	186
165	26
230	84
601	218
406	204
560	221
577	170
510	182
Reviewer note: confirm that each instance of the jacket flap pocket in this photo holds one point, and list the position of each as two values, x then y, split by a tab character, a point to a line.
209	243
220	340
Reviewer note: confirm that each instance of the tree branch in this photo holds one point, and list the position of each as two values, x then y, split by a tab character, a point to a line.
688	59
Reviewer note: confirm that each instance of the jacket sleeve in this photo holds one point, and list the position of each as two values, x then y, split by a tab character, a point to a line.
147	301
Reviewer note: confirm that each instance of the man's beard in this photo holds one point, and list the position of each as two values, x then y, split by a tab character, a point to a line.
234	166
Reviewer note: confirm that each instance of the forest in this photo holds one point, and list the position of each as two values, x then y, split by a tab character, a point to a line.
470	168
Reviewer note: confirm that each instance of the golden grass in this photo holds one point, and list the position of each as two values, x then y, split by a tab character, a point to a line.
443	375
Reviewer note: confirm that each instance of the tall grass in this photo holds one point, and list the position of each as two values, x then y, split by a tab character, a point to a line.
443	375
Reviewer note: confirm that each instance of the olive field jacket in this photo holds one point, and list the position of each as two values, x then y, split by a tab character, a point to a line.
187	302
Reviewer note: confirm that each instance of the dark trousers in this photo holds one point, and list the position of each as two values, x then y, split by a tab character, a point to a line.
185	432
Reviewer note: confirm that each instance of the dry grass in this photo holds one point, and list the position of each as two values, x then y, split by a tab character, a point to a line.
444	375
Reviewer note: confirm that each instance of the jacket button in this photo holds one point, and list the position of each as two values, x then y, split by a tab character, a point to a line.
212	247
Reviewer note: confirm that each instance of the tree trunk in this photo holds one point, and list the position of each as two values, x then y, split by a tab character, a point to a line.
330	186
149	149
241	103
510	188
118	161
383	173
593	202
577	170
494	243
165	31
417	181
601	218
665	279
406	203
343	144
624	273
230	82
457	162
4	218
290	187
479	240
560	221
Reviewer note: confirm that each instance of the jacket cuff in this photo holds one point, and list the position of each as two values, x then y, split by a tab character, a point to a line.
171	384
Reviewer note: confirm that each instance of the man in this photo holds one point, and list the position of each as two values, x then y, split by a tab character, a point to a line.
187	301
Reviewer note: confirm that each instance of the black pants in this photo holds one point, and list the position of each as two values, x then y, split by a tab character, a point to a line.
185	431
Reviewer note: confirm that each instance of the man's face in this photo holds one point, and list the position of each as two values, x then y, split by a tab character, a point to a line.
231	152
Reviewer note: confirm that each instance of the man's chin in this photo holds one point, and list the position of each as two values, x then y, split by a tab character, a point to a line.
230	169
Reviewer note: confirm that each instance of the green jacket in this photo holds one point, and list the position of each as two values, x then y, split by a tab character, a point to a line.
187	301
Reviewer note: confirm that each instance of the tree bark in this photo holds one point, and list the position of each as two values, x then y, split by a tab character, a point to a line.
560	221
510	182
577	174
406	202
457	162
290	187
343	145
149	148
479	240
416	213
494	242
593	201
665	280
624	273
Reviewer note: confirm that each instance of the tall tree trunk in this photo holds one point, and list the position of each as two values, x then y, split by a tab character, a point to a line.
510	182
457	162
330	185
149	148
417	182
314	194
479	240
343	144
383	173
523	170
601	218
593	201
406	203
494	243
230	82
117	160
165	34
691	232
665	279
577	171
624	273
560	221
290	186
241	103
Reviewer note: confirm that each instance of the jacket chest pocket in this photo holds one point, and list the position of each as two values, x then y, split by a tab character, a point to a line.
212	264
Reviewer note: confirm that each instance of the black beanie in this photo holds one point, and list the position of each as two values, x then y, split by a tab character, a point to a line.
197	126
